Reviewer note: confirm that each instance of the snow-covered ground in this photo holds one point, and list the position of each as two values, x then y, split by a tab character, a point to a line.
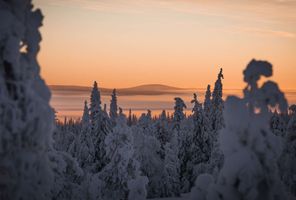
182	197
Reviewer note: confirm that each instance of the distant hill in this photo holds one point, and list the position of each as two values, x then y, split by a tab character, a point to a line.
148	89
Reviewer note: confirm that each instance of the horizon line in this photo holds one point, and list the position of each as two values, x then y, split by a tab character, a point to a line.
150	84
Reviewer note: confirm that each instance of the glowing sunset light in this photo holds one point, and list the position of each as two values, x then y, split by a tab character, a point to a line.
180	43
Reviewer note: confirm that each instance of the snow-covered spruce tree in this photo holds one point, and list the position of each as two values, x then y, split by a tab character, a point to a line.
67	176
123	167
183	138
201	140
292	110
85	120
178	112
217	103
147	152
73	149
95	108
113	107
137	188
130	118
201	133
105	109
100	127
63	136
146	123
278	124
83	148
171	177
251	150
162	130
287	160
180	129
26	119
215	117
208	108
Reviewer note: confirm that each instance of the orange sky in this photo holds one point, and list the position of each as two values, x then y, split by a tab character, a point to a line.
122	43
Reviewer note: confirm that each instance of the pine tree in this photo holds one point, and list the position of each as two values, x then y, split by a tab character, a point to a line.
171	177
145	122
99	127
292	110
251	150
95	106
137	188
214	114
147	149
130	118
26	118
287	160
123	166
217	103
278	124
183	137
105	109
162	129
113	107
84	149
208	108
179	112
201	141
67	176
85	121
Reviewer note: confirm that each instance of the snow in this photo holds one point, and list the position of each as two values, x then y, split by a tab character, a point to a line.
26	119
182	197
255	69
243	148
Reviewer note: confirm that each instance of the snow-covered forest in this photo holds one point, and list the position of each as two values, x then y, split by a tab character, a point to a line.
240	148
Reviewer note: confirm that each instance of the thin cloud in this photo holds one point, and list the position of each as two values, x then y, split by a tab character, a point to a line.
264	10
267	32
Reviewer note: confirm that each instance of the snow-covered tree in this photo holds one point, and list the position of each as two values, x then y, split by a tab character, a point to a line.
287	160
146	124
278	124
147	149
171	177
26	119
130	118
63	137
201	141
83	148
207	106
162	129
200	191
196	146
179	112
95	106
67	176
292	109
85	120
179	128
95	111
100	127
137	188
217	103
123	167
251	150
145	119
214	114
113	107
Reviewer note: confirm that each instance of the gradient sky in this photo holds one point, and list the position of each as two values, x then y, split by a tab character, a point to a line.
122	43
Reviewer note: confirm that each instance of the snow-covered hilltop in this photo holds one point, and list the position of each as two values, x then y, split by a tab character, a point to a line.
243	148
